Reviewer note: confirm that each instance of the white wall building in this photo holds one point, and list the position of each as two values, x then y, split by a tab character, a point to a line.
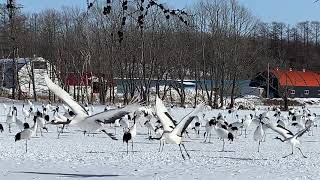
24	65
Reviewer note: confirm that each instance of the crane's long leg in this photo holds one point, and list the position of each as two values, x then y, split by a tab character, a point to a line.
186	150
290	153
160	146
222	144
26	145
259	146
132	146
301	152
127	148
37	129
264	137
205	136
287	155
181	152
65	126
187	134
62	131
245	133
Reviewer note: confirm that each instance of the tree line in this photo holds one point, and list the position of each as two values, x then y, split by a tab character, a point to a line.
215	41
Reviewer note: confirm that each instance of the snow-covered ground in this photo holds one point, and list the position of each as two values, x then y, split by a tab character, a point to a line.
75	156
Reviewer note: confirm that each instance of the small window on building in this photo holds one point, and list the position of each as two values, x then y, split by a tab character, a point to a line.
306	92
39	65
293	92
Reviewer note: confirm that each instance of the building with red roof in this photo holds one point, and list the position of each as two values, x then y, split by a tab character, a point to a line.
297	84
86	80
73	79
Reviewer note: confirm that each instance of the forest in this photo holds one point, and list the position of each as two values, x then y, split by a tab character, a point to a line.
216	40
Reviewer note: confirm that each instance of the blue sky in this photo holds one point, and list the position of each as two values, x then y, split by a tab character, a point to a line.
287	11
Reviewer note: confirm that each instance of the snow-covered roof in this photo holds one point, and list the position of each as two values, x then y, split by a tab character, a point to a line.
19	60
189	83
22	60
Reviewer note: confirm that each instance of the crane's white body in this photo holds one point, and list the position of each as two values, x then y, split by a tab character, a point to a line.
289	137
173	134
258	135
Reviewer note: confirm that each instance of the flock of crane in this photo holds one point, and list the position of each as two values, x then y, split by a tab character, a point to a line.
159	122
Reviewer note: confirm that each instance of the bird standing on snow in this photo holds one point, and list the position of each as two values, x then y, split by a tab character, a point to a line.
129	134
209	126
258	135
4	109
11	117
196	127
311	122
25	113
42	123
246	124
223	133
27	133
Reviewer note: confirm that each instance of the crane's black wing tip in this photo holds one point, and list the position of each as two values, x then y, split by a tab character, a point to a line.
111	135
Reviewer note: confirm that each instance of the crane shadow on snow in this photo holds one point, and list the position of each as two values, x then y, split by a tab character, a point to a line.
97	152
225	151
130	151
69	175
146	142
310	141
242	159
104	152
200	150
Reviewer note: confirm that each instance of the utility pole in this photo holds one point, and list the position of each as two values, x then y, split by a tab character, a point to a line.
286	89
268	80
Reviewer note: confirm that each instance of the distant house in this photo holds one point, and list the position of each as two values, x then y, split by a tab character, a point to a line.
297	84
73	79
24	67
82	82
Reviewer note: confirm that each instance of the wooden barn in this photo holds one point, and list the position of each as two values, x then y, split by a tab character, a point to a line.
297	84
78	84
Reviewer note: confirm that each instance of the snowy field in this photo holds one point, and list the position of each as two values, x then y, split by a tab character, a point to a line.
75	156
